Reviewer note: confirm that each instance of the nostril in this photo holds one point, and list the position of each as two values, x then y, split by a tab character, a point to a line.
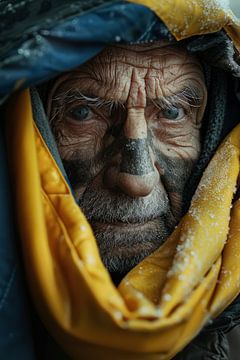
130	184
133	171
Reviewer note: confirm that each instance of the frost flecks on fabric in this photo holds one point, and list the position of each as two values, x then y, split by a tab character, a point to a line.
229	278
197	17
196	240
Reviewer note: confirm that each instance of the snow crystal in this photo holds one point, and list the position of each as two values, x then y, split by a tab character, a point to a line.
143	310
139	295
24	52
226	272
118	315
82	227
182	277
159	312
167	297
90	260
224	4
222	157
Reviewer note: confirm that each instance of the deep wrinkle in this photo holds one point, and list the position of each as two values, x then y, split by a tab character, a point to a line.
129	156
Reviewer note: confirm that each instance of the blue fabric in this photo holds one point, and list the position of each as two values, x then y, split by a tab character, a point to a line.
15	333
48	52
41	55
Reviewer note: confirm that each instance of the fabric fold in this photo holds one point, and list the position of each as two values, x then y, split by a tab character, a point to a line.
165	300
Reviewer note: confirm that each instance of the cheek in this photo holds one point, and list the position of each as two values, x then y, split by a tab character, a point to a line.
80	140
180	139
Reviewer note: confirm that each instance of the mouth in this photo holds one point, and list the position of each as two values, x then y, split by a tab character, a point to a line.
123	244
126	224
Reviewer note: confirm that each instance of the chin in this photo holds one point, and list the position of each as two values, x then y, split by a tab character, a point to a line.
122	246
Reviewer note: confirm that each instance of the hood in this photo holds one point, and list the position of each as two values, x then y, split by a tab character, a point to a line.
41	40
153	314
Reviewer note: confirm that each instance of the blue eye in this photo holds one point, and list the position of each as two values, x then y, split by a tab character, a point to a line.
81	113
173	113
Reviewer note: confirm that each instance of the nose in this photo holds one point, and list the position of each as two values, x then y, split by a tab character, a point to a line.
135	173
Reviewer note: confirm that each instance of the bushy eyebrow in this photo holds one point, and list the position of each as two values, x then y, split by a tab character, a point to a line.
189	95
96	101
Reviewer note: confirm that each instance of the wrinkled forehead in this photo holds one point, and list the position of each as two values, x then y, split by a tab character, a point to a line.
153	56
157	55
157	65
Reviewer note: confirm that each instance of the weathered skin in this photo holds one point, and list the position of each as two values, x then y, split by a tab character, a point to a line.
127	125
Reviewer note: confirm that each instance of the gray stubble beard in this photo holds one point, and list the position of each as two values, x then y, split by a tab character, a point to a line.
114	246
123	247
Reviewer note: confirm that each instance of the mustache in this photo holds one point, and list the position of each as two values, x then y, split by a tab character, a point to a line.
104	206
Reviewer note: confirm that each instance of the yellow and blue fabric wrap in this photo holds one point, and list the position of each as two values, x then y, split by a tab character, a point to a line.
165	300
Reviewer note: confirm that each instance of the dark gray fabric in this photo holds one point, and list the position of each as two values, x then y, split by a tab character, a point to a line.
210	346
213	124
228	319
234	343
217	50
42	122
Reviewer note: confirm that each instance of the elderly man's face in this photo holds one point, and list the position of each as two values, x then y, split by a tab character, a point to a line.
127	125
